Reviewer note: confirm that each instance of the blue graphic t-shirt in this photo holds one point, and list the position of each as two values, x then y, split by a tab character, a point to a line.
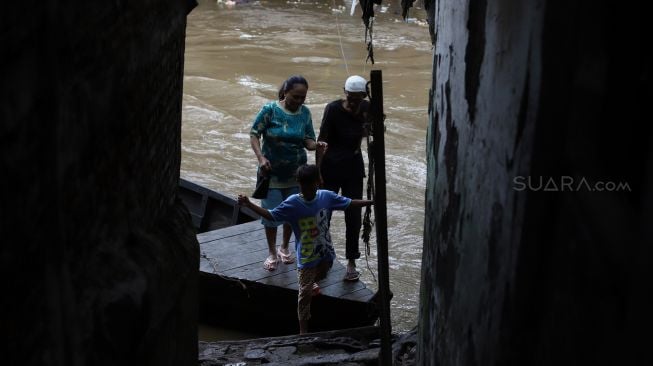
283	135
310	224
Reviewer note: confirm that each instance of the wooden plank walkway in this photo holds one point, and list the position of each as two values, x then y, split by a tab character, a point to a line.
239	251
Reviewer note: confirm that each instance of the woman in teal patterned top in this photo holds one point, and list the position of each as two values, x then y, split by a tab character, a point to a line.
286	127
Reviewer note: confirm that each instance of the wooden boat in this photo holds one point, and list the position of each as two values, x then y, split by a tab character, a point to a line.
211	210
236	292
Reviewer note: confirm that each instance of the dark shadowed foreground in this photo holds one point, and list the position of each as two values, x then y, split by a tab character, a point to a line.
356	346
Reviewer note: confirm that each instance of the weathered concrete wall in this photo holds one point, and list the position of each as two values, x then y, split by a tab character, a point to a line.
102	265
536	89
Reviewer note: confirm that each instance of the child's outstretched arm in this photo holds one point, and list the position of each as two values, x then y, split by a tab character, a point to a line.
361	203
244	201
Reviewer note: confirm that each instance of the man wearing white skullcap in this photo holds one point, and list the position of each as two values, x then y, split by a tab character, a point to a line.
344	124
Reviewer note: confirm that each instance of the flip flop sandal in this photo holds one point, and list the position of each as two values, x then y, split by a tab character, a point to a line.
270	264
352	275
286	258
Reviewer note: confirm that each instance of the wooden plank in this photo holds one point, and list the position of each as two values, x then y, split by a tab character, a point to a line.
286	276
254	270
230	231
334	275
364	295
239	252
228	264
234	215
206	266
341	288
237	247
235	252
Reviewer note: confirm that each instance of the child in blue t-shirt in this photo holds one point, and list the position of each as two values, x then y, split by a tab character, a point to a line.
308	214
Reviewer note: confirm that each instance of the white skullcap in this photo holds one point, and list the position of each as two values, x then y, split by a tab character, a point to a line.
355	84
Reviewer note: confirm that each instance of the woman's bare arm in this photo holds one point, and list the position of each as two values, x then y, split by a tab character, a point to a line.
263	162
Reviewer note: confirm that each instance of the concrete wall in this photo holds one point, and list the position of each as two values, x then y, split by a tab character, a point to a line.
515	274
99	259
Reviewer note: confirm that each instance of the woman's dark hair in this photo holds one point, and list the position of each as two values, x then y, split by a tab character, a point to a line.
307	174
290	83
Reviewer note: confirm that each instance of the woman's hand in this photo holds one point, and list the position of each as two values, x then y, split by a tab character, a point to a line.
311	145
264	164
321	147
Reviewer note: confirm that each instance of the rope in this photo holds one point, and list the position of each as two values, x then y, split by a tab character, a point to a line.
369	27
370	48
215	272
342	50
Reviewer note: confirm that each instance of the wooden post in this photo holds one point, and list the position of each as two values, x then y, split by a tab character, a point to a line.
380	215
